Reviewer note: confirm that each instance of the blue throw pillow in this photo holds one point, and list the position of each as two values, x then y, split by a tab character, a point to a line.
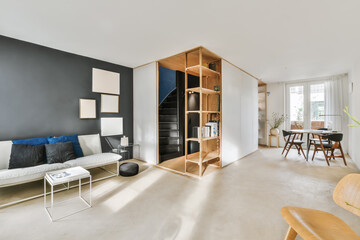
71	138
32	141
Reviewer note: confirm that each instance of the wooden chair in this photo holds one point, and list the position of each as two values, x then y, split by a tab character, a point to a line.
333	142
293	139
315	138
315	224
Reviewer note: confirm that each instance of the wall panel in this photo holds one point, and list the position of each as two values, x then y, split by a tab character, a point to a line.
239	114
145	111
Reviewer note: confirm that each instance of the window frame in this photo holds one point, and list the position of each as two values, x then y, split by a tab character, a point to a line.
307	101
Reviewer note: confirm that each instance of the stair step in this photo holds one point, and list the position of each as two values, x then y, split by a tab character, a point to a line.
168	118
169	134
169	125
167	111
169	145
167	156
168	141
168	105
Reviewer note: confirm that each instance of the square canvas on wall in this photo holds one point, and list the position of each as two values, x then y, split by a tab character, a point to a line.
111	126
105	81
109	103
87	108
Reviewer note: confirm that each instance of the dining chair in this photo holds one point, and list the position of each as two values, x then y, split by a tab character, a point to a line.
293	139
333	143
315	224
315	138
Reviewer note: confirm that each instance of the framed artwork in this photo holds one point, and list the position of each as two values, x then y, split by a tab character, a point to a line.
105	81
109	103
87	108
111	126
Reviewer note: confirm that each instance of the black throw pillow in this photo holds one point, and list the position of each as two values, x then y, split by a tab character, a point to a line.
60	152
26	155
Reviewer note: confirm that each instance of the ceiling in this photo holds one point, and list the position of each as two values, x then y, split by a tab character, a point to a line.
278	40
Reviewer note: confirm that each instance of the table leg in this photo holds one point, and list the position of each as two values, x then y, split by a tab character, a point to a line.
44	193
308	146
52	202
80	187
90	190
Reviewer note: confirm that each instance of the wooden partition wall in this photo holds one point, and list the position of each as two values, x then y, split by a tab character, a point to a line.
228	96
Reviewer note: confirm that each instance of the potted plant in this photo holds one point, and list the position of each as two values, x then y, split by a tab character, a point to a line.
275	123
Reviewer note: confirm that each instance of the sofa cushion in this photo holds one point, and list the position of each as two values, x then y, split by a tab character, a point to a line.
59	152
32	141
94	160
5	152
19	175
26	156
70	138
90	144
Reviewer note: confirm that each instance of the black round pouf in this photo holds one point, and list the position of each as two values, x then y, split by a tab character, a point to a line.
129	169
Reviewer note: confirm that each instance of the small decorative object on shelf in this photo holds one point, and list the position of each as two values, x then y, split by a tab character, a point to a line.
124	141
212	66
275	123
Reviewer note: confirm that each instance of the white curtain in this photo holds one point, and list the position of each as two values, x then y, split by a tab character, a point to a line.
335	101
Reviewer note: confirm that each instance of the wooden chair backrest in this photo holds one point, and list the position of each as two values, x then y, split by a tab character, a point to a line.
347	193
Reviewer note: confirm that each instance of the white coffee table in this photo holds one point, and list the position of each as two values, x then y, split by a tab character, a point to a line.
61	177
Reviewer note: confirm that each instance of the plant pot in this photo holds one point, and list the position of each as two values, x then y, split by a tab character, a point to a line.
274	131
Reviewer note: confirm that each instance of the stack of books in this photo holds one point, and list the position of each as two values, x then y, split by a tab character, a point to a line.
211	129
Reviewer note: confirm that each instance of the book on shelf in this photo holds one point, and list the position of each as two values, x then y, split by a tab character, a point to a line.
196	132
213	128
206	131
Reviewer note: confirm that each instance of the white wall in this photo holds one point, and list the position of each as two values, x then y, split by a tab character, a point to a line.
354	106
145	111
239	114
276	104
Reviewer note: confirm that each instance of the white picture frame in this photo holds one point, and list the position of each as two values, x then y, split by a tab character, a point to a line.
109	103
111	126
87	108
105	81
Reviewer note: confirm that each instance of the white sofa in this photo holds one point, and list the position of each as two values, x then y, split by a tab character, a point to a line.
93	157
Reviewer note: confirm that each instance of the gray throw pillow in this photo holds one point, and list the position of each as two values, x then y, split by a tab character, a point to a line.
59	152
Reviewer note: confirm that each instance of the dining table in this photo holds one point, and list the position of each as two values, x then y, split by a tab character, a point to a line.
308	132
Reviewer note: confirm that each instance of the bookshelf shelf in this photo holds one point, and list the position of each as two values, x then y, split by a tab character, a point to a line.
209	113
204	112
195	70
202	90
202	139
208	157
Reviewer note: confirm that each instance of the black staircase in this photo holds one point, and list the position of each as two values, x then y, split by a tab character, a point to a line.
170	137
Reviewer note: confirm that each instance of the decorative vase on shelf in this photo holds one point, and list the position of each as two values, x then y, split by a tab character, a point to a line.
274	131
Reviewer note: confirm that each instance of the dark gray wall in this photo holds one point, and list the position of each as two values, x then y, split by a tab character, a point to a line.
40	89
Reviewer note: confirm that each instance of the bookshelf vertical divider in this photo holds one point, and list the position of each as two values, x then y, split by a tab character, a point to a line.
209	91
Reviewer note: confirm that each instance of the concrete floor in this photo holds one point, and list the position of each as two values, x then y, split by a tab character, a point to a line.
240	201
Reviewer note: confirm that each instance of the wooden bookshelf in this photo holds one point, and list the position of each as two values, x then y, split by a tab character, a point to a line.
197	62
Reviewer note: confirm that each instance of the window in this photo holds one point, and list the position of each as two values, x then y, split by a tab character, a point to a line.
297	107
305	105
317	105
